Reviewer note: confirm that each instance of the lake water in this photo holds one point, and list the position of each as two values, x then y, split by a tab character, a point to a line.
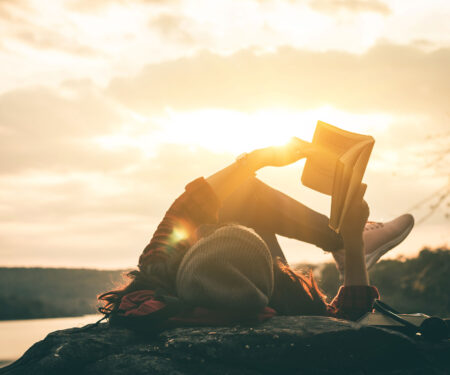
16	336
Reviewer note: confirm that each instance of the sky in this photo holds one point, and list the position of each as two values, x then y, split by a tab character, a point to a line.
108	108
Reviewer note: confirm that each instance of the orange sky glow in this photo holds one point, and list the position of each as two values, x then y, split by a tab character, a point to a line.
109	107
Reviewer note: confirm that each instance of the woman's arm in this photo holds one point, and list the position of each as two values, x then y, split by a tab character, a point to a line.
355	264
352	235
227	180
356	297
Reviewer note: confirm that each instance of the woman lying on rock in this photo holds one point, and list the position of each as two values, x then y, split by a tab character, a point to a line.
214	259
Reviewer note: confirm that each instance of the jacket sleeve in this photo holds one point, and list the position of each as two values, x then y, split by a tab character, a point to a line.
352	302
177	231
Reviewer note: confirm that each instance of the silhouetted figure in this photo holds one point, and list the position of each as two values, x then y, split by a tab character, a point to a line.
215	258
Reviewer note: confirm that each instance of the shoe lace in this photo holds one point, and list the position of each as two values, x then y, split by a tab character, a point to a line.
371	225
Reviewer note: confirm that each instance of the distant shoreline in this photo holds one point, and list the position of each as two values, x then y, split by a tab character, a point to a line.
40	293
409	285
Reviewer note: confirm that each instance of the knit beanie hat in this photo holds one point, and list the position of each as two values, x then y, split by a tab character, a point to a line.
231	269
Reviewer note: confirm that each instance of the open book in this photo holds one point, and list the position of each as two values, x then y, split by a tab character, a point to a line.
378	319
338	168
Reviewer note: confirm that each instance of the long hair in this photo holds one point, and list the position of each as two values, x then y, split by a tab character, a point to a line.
137	280
296	294
293	294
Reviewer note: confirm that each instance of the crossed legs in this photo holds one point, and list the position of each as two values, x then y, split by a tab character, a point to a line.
270	212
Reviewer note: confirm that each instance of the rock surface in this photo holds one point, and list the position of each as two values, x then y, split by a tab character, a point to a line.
283	345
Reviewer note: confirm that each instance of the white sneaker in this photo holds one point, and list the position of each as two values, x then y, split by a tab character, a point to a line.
378	239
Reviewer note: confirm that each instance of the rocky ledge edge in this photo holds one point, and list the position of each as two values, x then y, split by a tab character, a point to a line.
283	345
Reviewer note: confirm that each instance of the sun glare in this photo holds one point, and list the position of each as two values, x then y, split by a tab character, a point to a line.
225	131
235	132
178	235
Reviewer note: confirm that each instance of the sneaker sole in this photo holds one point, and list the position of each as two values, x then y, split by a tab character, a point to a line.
372	259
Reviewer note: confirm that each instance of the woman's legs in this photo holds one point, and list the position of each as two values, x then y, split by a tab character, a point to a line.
270	212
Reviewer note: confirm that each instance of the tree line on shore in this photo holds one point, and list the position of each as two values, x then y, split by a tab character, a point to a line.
419	284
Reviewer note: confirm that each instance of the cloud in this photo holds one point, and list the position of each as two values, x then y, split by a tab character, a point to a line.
10	10
97	5
18	155
77	109
52	129
68	218
355	6
146	189
171	27
423	43
43	38
387	78
23	26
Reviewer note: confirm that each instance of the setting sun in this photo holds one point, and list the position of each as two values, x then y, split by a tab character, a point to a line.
220	130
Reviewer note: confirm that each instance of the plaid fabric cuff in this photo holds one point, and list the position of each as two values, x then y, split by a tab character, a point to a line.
176	232
199	203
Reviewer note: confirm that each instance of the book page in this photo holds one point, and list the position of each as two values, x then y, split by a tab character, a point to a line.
319	171
319	174
357	174
342	181
337	198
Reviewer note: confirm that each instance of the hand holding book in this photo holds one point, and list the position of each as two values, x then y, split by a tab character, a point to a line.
278	156
356	217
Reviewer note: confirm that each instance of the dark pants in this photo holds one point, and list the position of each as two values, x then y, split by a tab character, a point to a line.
270	212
